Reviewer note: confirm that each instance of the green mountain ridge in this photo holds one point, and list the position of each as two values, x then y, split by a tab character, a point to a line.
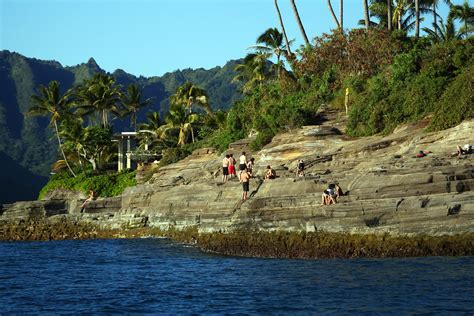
28	141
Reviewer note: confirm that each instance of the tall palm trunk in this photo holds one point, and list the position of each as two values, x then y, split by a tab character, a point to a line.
333	14
283	29
61	149
341	14
389	14
300	24
366	14
417	21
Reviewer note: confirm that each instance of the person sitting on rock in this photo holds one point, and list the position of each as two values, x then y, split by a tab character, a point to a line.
422	154
300	168
90	198
465	150
330	195
270	173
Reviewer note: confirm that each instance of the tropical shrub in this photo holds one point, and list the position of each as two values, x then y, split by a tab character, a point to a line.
418	83
457	102
104	185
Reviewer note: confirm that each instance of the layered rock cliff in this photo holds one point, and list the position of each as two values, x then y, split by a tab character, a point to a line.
388	190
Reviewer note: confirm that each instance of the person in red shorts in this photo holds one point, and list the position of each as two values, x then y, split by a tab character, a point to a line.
232	163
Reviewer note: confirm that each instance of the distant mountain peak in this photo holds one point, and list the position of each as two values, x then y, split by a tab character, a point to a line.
91	62
92	66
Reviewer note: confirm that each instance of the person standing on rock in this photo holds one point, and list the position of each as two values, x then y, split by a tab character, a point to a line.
244	178
300	168
250	165
225	168
232	164
242	162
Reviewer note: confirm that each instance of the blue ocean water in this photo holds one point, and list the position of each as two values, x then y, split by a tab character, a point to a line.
162	277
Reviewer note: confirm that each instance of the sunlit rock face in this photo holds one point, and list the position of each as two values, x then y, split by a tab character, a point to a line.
387	188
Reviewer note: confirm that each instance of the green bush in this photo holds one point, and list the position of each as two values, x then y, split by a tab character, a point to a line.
262	139
172	155
367	111
457	102
104	185
222	139
418	83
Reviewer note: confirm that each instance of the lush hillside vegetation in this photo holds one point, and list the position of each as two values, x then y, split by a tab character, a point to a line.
386	73
28	141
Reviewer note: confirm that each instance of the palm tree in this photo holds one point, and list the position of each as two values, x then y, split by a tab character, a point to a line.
366	14
156	127
338	25
153	121
189	95
72	133
464	13
252	71
298	20
435	7
132	102
99	97
51	102
389	15
288	50
180	119
272	41
403	15
443	32
341	14
400	9
417	18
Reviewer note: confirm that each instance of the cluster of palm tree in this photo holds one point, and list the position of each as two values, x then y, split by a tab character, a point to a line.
402	15
256	66
81	117
406	15
189	111
446	31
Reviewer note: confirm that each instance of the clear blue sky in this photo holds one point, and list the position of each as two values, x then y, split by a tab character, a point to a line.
152	37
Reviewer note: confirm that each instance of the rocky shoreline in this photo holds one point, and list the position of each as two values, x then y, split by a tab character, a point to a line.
395	204
278	244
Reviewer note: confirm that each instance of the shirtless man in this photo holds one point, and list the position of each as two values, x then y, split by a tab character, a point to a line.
242	162
225	168
245	179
